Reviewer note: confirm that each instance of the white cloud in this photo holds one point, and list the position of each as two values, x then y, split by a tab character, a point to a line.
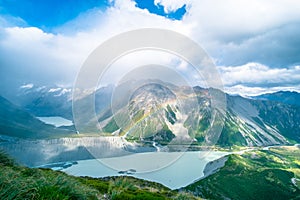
182	65
232	18
254	91
258	74
7	20
165	63
231	31
56	58
254	78
236	32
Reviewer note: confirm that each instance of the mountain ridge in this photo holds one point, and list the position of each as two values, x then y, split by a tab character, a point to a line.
247	121
287	97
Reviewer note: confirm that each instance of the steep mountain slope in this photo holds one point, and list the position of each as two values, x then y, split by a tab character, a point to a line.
145	111
150	115
18	123
246	121
255	122
284	118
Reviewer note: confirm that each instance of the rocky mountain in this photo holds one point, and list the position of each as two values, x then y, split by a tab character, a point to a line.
259	123
162	115
153	114
167	114
16	122
150	124
45	101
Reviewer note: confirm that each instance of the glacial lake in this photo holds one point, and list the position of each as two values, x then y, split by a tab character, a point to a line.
56	121
183	171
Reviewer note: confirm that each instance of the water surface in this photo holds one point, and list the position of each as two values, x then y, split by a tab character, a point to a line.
56	121
184	171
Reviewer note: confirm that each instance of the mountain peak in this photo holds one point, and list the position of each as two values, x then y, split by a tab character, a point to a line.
151	96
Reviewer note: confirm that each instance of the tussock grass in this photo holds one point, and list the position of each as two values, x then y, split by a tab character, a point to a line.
17	182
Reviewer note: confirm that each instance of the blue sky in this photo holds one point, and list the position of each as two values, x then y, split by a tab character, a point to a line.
255	43
159	9
47	14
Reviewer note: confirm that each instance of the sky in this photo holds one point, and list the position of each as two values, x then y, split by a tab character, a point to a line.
255	44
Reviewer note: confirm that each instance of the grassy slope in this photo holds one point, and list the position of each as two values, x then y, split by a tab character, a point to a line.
253	175
17	182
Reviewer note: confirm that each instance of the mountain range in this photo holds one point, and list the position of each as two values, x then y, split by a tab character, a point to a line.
164	113
156	116
247	121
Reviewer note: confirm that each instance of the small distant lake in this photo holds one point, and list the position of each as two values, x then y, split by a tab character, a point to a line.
184	171
56	121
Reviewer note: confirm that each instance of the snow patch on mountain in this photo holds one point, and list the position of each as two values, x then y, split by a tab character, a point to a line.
63	91
54	90
27	86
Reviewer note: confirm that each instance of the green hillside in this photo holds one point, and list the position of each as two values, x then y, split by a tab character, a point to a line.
254	175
